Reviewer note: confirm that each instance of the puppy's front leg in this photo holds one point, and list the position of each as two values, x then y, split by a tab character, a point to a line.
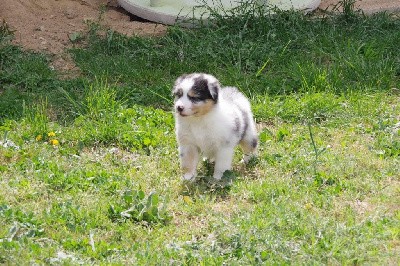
189	155
223	161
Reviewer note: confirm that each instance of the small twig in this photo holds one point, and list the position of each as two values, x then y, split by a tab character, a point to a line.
313	142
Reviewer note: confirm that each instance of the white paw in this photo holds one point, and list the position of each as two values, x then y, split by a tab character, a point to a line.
218	175
189	176
247	158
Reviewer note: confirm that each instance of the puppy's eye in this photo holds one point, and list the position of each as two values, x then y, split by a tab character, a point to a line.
194	99
178	94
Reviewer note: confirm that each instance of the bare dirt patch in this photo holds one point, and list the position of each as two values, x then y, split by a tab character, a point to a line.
367	6
43	25
48	26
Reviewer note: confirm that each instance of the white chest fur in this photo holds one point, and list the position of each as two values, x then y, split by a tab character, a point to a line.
208	133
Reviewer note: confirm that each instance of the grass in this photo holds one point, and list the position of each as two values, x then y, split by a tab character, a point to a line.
89	170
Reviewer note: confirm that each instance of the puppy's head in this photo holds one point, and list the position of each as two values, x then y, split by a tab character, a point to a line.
195	94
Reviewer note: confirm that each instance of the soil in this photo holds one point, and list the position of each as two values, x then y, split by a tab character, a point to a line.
49	26
367	6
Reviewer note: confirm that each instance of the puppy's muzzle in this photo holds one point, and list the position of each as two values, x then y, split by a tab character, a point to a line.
180	109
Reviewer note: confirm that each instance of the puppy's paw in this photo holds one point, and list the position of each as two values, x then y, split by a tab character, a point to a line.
189	177
247	158
218	175
250	160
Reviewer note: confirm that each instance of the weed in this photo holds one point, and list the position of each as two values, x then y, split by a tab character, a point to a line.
25	225
75	37
136	206
37	117
317	151
347	10
5	33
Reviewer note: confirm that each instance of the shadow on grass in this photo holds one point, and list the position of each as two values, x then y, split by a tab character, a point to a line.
204	183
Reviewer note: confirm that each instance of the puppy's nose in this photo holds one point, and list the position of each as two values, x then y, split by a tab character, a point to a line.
179	108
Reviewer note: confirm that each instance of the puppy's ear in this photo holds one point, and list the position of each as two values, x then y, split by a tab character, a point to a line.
214	88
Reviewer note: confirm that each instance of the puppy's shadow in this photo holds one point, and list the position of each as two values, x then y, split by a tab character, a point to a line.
206	184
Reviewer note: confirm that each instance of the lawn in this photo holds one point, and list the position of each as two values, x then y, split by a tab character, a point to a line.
89	170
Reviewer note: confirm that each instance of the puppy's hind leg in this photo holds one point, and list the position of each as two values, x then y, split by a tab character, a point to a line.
189	155
249	143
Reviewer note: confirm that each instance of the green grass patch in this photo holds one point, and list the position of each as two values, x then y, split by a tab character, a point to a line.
89	170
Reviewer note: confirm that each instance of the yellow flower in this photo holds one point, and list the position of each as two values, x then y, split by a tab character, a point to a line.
39	137
308	206
187	199
54	142
51	134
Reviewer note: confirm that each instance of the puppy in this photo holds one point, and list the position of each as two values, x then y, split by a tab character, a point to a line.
211	120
